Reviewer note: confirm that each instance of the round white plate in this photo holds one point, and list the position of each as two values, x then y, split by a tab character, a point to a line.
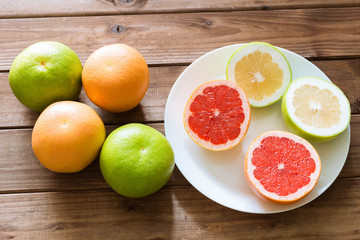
220	175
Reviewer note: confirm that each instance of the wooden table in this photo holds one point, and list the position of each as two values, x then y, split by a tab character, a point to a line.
38	204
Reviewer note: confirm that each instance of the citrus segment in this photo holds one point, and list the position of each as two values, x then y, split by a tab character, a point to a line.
316	109
282	167
217	115
261	71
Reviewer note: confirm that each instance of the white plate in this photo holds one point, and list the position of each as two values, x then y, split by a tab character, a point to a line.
219	175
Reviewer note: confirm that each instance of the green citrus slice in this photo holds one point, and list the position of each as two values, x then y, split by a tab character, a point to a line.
262	71
315	109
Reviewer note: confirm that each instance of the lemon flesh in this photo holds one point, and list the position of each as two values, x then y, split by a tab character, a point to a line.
262	71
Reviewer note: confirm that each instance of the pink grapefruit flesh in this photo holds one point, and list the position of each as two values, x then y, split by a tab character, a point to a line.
282	167
217	115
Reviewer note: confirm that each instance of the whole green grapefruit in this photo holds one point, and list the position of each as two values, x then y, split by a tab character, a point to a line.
136	160
44	73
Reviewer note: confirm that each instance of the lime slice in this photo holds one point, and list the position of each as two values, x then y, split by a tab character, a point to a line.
262	71
315	109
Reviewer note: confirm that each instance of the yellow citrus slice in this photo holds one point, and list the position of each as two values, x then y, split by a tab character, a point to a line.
315	109
262	71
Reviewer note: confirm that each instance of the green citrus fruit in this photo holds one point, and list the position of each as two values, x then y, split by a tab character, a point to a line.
44	73
136	160
262	71
315	109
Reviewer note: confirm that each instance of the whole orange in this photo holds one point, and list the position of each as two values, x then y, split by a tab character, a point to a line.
116	77
67	136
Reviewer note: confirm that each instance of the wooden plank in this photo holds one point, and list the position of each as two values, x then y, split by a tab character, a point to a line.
39	8
151	108
344	73
181	38
175	212
21	172
353	160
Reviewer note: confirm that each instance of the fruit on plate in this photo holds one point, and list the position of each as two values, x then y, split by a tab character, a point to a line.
116	77
217	115
262	71
281	166
315	109
67	136
44	73
136	160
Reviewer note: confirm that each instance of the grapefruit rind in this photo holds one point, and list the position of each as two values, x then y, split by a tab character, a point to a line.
44	73
67	136
278	57
258	188
136	160
314	134
244	127
116	77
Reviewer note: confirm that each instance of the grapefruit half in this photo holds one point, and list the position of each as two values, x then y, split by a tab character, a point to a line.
282	167
217	115
315	109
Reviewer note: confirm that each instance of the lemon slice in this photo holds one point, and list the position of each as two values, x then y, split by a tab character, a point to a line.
262	71
315	109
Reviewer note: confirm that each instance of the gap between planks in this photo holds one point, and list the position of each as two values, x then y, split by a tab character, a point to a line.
41	9
182	38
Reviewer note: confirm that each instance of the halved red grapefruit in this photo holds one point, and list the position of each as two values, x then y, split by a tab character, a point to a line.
217	115
282	167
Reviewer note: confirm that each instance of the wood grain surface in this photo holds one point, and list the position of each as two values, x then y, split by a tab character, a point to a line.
344	73
151	108
25	174
181	38
38	204
39	8
178	212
